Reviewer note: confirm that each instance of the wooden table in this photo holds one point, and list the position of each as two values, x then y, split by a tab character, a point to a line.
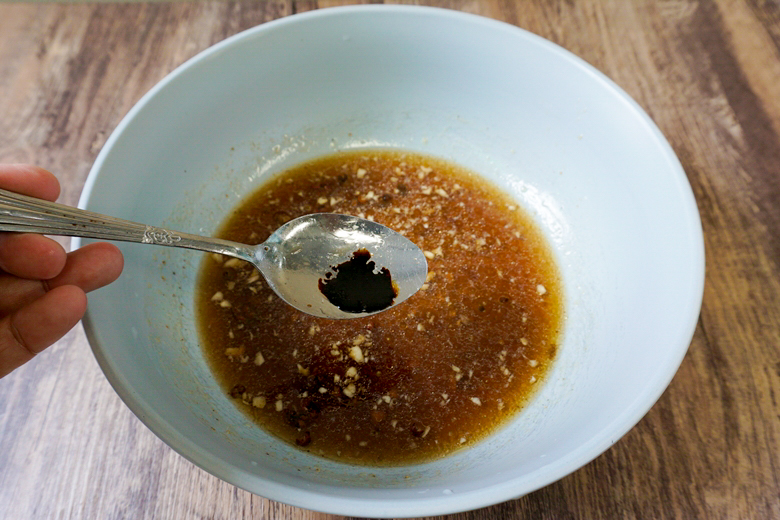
707	72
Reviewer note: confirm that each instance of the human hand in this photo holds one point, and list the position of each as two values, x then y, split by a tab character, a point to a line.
43	289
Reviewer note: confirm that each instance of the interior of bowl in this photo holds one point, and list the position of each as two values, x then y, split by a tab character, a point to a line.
573	150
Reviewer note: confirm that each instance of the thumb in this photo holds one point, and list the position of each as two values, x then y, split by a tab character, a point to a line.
30	329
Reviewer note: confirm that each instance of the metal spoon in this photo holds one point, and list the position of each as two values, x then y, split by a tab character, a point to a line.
293	259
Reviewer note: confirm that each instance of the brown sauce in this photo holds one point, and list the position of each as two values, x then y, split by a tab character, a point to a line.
357	286
418	381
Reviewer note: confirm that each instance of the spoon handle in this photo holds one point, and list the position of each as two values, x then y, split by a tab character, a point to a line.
23	214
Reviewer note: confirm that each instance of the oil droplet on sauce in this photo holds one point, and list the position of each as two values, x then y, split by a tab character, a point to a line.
357	286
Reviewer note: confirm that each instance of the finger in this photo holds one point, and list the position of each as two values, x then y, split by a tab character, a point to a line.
29	180
91	267
29	330
88	268
31	256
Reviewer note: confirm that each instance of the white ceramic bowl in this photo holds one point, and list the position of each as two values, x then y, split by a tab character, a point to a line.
570	146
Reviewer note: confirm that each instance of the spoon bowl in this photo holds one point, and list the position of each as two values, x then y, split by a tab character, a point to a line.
298	254
293	260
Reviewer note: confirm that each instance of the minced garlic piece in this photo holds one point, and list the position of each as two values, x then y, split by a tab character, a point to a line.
259	359
476	401
234	352
258	402
540	289
356	353
232	263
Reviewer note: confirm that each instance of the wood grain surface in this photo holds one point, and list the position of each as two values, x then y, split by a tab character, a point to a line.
708	73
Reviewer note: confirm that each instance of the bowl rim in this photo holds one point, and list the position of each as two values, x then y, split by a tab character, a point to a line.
424	506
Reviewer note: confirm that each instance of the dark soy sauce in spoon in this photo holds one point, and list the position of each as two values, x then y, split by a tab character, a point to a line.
355	286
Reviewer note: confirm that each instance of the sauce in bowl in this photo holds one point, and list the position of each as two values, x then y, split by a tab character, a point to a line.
411	384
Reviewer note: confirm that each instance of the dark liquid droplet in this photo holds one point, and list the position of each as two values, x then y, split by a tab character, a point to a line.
356	287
